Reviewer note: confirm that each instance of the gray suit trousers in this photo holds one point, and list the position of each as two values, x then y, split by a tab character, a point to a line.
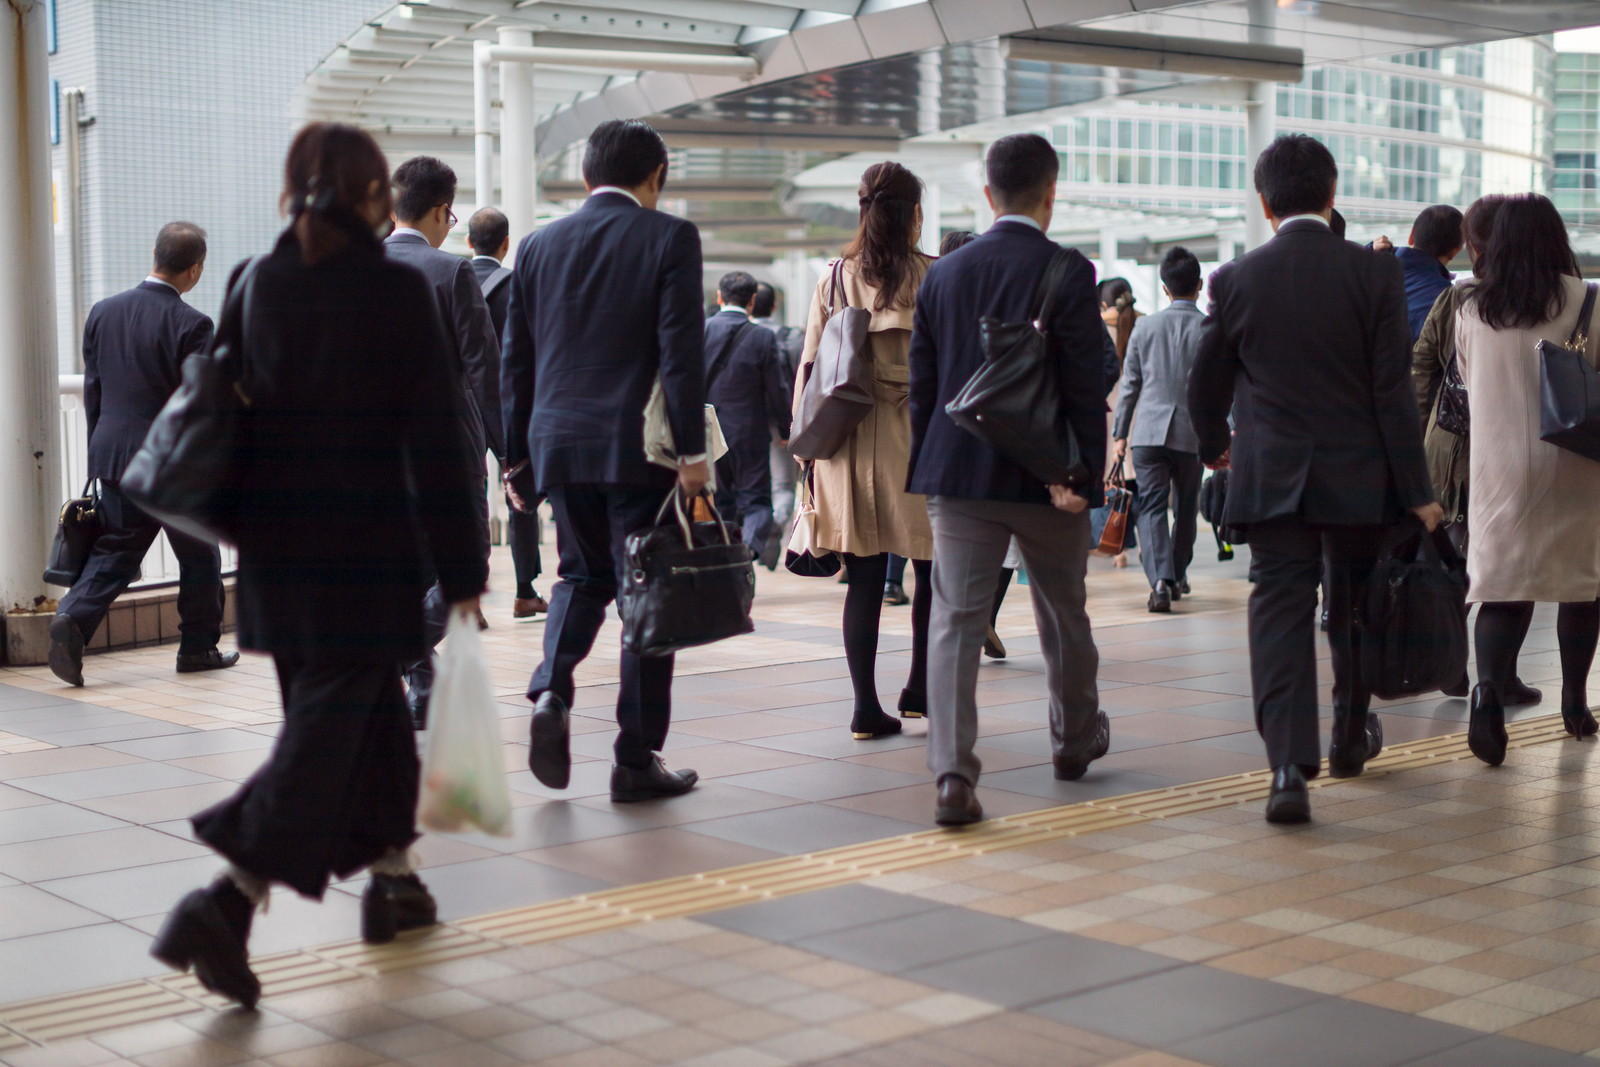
969	544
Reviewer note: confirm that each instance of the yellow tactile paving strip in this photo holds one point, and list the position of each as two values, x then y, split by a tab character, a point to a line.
98	1010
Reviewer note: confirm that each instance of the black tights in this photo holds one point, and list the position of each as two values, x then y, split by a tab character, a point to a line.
1500	632
863	605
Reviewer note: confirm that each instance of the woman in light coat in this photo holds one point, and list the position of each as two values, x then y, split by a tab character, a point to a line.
863	510
1533	515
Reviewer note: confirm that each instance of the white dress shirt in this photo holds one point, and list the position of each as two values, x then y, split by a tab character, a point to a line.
161	281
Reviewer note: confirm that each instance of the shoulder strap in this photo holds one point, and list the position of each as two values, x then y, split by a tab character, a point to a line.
1580	329
837	297
728	348
494	281
1050	285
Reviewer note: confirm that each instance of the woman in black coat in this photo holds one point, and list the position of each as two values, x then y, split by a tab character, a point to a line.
357	485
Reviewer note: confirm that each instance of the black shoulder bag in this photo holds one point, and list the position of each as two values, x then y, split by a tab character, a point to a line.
1013	401
1414	622
186	472
1569	389
77	529
687	583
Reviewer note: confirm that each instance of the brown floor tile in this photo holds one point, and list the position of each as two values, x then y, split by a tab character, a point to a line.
1557	1033
1399	996
646	856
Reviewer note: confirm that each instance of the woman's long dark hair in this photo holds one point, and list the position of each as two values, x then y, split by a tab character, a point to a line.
883	244
329	175
1522	266
1477	226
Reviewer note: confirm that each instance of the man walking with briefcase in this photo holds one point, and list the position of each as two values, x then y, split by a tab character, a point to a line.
134	345
603	303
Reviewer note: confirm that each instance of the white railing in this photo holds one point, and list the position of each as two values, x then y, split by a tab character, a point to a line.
160	566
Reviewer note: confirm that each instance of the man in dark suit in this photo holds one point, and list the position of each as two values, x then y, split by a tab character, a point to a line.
489	237
979	500
424	190
1307	345
134	345
603	302
744	382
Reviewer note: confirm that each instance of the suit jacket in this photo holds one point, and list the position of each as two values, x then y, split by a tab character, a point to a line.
362	483
475	348
1307	344
486	268
749	392
1155	379
998	275
134	345
603	301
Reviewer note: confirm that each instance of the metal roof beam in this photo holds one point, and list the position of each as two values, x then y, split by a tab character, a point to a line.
1149	51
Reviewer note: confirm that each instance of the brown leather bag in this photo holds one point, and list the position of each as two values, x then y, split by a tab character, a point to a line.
836	386
1119	502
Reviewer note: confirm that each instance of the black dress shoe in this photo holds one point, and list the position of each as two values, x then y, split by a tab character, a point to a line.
1518	695
1183	586
630	784
992	647
1069	768
894	594
1351	748
1290	801
210	660
1174	590
1160	602
1486	729
394	903
549	738
204	931
958	802
66	650
867	725
912	705
1578	721
1323	625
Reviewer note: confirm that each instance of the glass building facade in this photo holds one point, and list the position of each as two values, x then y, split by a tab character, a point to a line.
1577	137
1443	126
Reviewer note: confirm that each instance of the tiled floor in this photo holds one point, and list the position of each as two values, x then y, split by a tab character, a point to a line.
1428	893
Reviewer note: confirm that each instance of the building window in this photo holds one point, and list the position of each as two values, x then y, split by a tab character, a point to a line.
50	26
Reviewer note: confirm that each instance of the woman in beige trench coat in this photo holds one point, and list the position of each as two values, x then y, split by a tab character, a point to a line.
1533	513
863	510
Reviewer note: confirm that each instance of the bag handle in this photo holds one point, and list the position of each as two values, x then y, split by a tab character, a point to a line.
1050	287
233	319
836	291
675	499
1580	329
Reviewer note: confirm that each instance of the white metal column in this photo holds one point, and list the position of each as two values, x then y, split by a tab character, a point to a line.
517	117
29	410
482	131
1260	124
932	214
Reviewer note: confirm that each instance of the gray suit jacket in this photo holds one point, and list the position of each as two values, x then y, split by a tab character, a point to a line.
470	329
1155	379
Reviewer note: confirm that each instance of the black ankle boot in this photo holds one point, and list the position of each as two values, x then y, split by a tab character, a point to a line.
1577	719
867	725
1486	730
394	903
209	930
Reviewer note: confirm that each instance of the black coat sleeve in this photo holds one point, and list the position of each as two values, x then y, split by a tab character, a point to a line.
774	388
1393	393
1211	380
517	359
923	360
480	350
91	373
681	333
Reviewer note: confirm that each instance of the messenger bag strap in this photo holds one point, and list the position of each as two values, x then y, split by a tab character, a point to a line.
729	346
1050	286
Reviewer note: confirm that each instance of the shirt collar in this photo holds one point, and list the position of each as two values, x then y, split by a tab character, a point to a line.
597	190
491	259
161	281
1184	304
398	230
727	308
1318	219
1026	220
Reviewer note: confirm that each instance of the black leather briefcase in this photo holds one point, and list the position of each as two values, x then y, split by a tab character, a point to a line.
78	528
687	583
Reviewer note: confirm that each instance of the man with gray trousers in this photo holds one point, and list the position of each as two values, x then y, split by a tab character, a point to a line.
1166	452
979	500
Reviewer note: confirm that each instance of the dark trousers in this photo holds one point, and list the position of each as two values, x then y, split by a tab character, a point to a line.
435	615
522	535
592	523
114	563
1288	558
1166	478
744	492
340	787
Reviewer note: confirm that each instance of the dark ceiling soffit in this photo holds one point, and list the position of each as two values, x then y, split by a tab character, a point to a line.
1150	51
776	136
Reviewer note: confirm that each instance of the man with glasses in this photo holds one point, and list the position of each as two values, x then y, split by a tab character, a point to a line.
424	190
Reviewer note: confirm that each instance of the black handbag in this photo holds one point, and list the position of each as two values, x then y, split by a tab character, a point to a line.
1453	415
836	390
1013	401
687	584
1213	498
1413	626
1569	389
186	472
77	529
801	556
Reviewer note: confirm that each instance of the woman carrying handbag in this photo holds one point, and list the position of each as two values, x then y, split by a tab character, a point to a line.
862	509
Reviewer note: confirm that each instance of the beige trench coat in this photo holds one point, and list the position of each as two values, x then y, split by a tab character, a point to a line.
1533	512
862	504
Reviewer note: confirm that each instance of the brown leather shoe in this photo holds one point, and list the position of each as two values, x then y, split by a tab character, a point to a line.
528	607
958	802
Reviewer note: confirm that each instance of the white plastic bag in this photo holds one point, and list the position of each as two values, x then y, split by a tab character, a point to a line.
463	772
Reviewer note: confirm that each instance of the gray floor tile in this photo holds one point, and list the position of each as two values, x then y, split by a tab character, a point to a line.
1101	781
193	743
588	780
898	945
103	850
136	727
26	910
1502	1052
823	780
13	699
803	828
1330	1033
478	886
110	781
1040	970
811	914
80	958
136	891
835	744
51	820
1163	1009
544	825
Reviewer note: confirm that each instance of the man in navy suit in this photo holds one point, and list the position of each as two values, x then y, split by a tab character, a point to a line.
603	302
134	345
979	500
1307	346
744	382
